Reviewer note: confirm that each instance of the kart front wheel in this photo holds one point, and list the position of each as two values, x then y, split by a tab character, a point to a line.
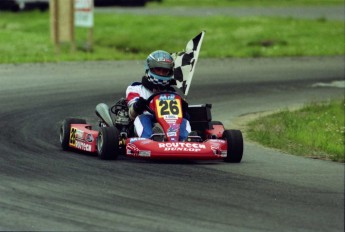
65	129
108	143
234	140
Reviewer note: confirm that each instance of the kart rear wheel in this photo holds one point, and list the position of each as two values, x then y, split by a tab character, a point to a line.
216	123
108	143
234	140
65	131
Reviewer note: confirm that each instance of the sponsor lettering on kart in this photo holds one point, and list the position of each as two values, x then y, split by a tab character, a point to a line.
190	147
83	146
79	139
132	150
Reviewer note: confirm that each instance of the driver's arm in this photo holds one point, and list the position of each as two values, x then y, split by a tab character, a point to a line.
137	107
132	96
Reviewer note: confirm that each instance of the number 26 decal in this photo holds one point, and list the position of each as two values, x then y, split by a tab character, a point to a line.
169	107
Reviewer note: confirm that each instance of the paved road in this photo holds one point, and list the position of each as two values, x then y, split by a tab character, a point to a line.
309	12
44	188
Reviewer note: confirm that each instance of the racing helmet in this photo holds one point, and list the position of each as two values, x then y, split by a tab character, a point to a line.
159	68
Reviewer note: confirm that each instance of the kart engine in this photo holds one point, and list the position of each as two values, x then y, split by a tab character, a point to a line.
120	109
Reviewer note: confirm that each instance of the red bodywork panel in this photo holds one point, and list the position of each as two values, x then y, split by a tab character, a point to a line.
168	112
83	138
146	148
217	130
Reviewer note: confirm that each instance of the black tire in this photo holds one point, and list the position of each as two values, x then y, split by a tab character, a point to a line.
234	140
65	131
15	8
43	7
216	123
108	143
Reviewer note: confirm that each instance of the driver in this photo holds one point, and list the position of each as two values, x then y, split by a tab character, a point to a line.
158	77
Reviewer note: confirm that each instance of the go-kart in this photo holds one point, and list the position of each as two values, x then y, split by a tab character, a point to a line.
116	135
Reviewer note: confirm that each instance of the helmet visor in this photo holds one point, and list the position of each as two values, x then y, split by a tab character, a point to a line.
164	72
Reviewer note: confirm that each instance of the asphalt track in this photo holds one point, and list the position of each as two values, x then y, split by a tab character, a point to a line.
44	188
302	12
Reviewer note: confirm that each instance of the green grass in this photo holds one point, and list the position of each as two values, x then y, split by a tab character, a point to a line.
25	37
246	2
317	131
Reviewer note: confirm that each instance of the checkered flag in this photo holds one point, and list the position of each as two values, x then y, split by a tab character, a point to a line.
185	63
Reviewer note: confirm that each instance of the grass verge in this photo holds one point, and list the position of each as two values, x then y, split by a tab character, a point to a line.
25	37
316	130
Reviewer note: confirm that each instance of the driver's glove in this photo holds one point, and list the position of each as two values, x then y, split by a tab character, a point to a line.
140	105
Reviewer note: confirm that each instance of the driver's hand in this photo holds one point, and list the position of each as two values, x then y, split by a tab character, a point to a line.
140	105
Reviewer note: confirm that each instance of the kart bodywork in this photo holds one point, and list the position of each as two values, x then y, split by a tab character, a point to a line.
116	136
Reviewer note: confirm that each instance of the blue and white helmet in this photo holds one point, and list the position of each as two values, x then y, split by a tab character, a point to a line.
159	68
